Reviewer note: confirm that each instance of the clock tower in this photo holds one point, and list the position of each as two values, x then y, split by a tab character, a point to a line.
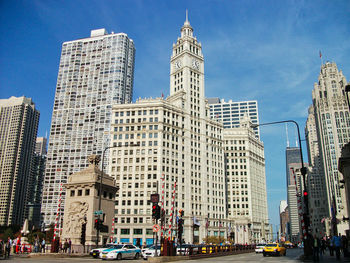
187	71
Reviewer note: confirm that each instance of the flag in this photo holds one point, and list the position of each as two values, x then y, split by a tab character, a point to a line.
207	224
320	54
245	230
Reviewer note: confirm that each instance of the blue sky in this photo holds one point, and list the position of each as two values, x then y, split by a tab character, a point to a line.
253	49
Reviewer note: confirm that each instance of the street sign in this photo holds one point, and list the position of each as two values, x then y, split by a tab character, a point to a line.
154	198
98	212
156	228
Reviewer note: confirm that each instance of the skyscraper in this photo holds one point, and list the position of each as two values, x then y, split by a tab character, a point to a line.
179	144
231	113
315	178
18	129
333	132
294	190
246	184
36	183
94	73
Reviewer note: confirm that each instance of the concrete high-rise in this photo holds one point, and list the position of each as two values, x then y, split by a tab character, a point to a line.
94	74
246	184
178	143
19	121
318	208
231	113
333	131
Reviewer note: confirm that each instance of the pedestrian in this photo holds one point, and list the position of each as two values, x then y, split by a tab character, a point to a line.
36	244
65	246
43	246
337	245
316	248
344	241
330	246
8	247
69	246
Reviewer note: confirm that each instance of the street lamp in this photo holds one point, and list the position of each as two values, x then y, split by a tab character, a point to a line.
100	187
307	243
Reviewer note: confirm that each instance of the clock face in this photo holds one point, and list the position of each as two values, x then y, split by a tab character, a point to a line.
195	64
178	64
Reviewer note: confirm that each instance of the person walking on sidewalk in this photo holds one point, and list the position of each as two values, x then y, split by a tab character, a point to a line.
337	244
316	248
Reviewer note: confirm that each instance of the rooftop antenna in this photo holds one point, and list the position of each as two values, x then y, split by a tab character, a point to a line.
186	15
296	141
287	135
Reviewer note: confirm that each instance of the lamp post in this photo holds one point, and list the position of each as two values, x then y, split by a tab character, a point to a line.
307	242
100	187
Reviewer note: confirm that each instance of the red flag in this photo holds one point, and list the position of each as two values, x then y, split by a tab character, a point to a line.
320	54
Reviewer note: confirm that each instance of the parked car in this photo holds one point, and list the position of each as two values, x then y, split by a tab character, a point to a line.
96	251
185	249
259	248
120	252
151	252
274	249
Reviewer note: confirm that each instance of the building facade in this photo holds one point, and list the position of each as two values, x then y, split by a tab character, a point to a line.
333	132
36	184
284	220
318	208
246	184
294	190
231	113
180	155
19	121
94	73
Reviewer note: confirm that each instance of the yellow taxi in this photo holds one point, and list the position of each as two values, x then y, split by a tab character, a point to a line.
274	249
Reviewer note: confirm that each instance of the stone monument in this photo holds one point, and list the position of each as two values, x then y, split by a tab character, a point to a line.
82	199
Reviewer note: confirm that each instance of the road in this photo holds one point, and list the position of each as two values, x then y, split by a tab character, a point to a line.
292	256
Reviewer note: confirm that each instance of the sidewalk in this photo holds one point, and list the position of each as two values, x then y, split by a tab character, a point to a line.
51	255
327	258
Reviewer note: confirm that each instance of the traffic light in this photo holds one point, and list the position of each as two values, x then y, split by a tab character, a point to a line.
83	234
97	223
158	212
305	194
154	210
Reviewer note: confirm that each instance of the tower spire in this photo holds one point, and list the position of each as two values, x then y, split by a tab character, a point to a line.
186	15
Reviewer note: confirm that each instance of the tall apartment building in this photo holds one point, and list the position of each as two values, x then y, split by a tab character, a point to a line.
246	184
36	184
94	73
294	190
318	208
333	132
178	143
19	121
231	113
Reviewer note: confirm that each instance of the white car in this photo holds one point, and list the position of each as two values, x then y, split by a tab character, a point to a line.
96	251
259	248
151	252
120	252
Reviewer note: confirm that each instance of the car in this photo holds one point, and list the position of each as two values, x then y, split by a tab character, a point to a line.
96	251
274	249
120	252
187	249
259	248
150	252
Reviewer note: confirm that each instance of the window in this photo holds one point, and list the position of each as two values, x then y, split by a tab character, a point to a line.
87	191
125	231
72	192
80	192
138	231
